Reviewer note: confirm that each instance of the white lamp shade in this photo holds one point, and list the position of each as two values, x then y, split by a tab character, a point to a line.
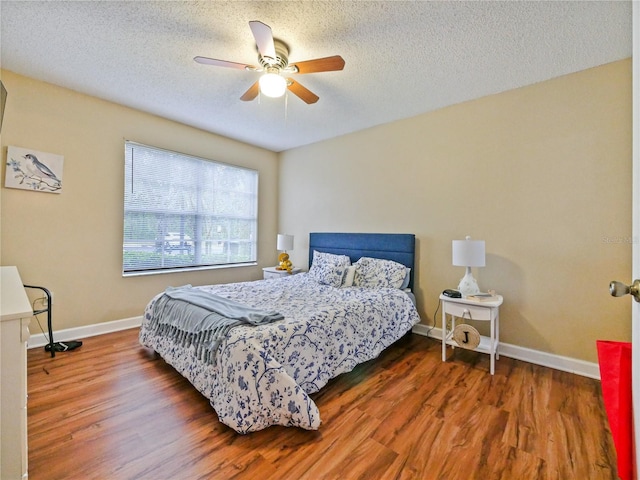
272	85
285	242
468	253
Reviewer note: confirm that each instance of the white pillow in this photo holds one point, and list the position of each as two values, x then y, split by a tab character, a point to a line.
378	273
329	269
347	281
407	279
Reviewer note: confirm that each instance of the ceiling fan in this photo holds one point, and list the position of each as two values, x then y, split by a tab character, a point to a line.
273	57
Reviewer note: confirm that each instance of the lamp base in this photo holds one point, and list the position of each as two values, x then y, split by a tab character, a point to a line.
468	285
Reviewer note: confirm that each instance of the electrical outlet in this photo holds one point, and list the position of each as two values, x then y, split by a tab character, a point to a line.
41	302
44	301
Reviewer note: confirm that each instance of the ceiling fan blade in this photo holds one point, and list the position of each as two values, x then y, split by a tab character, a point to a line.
304	93
326	64
221	63
264	38
251	93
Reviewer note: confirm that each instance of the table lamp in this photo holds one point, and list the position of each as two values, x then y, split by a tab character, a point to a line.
468	253
284	243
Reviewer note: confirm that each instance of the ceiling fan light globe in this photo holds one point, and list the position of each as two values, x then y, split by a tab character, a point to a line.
272	85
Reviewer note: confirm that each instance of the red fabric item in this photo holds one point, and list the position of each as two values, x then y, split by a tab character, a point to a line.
615	378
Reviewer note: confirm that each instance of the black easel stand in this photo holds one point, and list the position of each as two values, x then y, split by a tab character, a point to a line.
48	310
52	346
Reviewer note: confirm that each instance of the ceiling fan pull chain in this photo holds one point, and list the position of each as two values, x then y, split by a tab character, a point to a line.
286	107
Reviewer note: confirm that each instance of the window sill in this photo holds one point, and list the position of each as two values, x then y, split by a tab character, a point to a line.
187	269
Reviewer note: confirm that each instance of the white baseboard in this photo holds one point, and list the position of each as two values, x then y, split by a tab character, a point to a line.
565	364
78	333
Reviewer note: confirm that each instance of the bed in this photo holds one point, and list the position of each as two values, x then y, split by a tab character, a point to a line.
298	331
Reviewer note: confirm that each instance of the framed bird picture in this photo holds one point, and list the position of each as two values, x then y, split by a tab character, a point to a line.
32	170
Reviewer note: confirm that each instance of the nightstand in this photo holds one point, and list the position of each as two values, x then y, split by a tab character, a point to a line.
272	272
467	310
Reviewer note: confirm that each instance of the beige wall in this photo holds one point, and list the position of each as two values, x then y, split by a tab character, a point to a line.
541	173
72	242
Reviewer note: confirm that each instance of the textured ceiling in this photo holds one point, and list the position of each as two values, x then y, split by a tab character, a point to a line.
402	58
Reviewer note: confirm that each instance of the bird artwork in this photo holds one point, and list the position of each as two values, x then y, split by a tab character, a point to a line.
38	169
34	170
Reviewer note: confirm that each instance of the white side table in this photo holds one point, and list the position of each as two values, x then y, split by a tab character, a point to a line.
472	310
272	272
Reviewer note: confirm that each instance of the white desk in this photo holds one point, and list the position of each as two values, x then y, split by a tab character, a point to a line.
15	315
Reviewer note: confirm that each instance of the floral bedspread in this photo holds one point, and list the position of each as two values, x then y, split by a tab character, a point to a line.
264	375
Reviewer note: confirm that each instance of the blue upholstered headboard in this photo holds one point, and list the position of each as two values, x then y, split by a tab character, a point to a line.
399	247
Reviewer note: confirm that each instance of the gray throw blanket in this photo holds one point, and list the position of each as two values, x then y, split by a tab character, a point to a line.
189	316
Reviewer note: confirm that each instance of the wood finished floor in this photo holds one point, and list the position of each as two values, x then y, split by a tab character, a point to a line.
114	410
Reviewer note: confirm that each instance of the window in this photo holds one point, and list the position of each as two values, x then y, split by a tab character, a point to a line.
186	212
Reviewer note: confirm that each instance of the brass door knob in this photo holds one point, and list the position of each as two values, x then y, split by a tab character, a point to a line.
619	289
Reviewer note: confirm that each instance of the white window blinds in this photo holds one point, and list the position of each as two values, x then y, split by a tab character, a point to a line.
184	212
